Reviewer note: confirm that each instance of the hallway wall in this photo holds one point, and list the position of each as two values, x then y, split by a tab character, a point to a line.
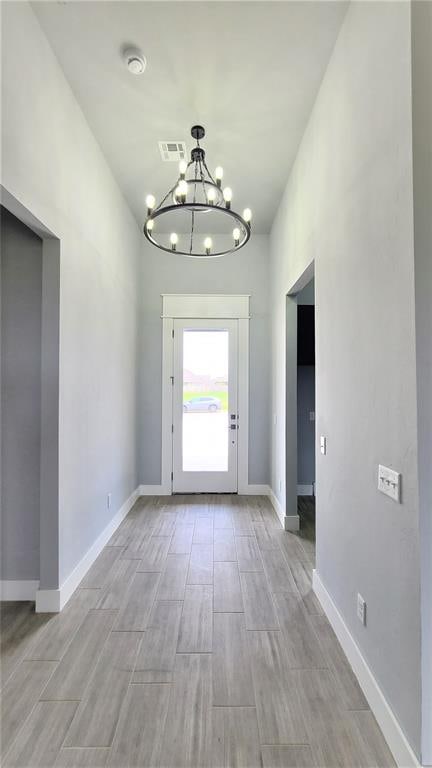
421	29
53	165
21	305
348	206
242	272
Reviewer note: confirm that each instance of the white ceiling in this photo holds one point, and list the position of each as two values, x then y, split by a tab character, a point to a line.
248	71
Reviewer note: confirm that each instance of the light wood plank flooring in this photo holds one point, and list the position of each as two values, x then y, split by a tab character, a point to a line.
194	640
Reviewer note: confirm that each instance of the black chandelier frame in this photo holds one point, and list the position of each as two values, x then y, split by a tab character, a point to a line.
204	181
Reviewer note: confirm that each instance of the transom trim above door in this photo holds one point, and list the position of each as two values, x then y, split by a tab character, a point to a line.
201	306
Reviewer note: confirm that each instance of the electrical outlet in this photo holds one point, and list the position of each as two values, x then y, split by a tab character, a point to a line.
109	496
323	445
361	609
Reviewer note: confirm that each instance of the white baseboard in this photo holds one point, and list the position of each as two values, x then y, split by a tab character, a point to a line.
292	523
277	506
254	490
401	750
53	600
288	522
305	489
18	590
154	490
49	601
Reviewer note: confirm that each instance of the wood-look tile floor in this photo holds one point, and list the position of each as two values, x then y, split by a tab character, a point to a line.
194	640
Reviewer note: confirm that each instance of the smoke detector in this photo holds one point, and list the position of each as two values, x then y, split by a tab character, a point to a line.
135	61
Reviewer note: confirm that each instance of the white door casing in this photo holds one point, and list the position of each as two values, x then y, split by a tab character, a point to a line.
205	307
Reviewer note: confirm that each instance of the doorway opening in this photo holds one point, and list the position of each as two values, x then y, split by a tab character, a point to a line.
306	438
21	343
30	406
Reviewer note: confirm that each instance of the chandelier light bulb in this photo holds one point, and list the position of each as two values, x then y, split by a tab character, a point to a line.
219	175
227	193
183	190
247	215
211	196
236	235
208	245
150	225
182	168
173	240
150	203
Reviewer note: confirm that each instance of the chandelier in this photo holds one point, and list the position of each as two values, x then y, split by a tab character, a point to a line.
194	208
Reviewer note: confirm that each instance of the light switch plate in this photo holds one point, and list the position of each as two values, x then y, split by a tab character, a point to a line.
389	482
361	609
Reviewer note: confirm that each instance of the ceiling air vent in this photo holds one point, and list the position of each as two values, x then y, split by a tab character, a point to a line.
172	150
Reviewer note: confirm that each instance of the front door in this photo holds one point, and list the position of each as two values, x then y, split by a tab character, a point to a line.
205	406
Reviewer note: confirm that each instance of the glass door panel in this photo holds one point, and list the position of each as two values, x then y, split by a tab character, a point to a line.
205	401
205	406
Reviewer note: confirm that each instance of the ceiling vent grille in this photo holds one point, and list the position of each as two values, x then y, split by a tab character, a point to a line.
172	151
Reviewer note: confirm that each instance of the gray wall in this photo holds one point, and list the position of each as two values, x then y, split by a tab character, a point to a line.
348	207
305	427
422	166
53	165
21	302
243	272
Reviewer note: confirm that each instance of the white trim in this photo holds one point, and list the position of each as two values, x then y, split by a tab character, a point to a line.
154	490
288	522
254	490
243	406
48	601
396	740
167	408
305	490
291	523
18	590
277	506
205	306
17	209
215	309
53	600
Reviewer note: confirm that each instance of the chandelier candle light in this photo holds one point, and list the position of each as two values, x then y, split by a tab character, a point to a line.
194	196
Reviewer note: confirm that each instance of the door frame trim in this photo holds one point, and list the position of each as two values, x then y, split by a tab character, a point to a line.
221	307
